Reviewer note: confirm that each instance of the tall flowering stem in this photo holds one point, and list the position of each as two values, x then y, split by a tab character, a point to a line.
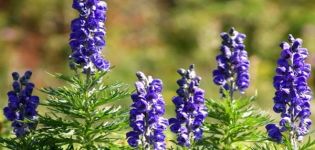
146	115
21	109
89	116
87	36
232	73
190	109
235	122
293	95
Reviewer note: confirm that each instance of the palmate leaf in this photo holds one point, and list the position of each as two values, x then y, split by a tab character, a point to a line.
84	114
233	124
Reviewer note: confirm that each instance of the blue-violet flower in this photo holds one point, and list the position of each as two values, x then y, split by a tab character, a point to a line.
293	95
232	72
190	109
87	36
21	109
146	114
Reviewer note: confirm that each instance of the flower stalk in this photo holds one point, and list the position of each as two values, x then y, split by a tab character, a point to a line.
232	73
21	109
87	36
146	115
293	95
190	108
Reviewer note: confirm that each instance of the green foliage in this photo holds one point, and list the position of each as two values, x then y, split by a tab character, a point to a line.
286	145
266	146
30	142
234	124
309	145
84	113
193	147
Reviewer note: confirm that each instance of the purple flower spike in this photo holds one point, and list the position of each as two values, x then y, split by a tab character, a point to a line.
146	114
22	105
232	73
293	95
87	36
190	109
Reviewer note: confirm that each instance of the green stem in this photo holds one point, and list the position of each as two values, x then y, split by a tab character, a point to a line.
229	141
191	138
87	141
293	142
232	86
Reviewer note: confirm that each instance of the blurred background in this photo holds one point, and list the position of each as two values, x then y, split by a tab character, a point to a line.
156	37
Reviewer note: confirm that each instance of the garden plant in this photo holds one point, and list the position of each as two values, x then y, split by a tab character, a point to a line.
85	112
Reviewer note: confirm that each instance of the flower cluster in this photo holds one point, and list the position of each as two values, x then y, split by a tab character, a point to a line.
293	95
232	73
21	109
190	109
87	37
146	114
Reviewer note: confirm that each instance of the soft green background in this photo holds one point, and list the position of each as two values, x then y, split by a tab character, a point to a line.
156	37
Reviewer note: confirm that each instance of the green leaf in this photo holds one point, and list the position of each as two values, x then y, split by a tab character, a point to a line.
309	145
234	124
84	113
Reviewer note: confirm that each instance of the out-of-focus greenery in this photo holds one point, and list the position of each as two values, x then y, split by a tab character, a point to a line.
157	37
